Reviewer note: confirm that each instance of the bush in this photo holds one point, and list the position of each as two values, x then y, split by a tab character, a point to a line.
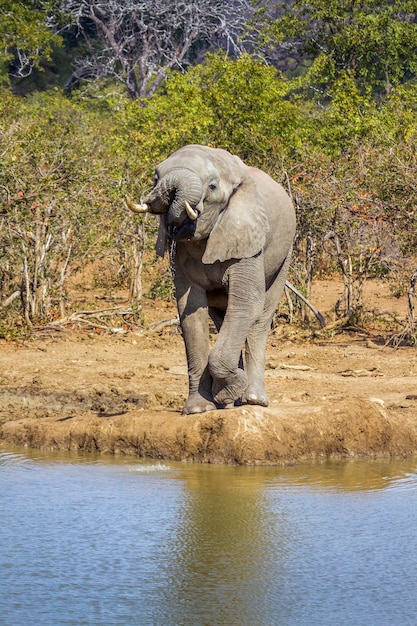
350	166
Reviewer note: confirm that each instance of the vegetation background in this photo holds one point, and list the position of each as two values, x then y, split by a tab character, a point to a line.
93	93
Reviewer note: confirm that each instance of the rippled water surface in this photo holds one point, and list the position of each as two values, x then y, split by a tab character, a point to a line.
121	541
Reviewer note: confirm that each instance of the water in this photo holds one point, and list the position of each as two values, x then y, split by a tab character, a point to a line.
87	540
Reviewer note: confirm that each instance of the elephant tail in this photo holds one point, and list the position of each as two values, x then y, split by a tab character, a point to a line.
317	313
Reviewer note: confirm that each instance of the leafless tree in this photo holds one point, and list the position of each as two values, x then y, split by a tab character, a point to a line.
139	41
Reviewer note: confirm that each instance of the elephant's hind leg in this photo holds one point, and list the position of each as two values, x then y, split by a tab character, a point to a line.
255	366
257	339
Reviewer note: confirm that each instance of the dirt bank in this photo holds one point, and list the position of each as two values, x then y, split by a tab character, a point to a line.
123	394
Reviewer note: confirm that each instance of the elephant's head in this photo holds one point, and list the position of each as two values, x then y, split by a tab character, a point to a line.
208	193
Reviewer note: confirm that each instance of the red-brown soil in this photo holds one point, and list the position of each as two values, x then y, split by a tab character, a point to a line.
345	395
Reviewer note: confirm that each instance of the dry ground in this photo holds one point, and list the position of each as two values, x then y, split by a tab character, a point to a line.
346	395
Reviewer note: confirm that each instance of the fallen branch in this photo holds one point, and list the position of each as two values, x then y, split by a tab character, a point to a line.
119	310
158	326
340	323
300	368
8	301
90	318
94	319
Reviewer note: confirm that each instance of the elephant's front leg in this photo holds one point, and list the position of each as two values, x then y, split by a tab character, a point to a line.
193	312
245	283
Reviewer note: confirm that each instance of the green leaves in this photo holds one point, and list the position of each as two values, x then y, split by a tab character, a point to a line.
240	105
374	41
348	158
57	191
26	34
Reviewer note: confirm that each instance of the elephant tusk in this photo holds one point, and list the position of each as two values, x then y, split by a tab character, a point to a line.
190	211
136	208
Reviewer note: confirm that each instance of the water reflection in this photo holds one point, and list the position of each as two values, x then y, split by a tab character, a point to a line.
346	475
304	545
354	554
221	559
116	541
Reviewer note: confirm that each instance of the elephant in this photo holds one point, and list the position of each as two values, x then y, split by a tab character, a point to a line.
230	228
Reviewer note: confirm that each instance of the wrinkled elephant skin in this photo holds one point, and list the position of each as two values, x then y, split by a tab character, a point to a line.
230	228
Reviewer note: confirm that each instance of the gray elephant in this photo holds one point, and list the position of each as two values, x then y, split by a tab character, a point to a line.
231	228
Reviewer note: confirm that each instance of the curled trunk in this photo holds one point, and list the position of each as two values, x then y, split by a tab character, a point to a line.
171	193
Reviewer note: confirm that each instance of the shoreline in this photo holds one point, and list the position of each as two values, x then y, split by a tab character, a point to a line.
124	395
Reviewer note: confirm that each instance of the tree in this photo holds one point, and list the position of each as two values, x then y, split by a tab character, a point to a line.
27	34
138	42
240	105
374	41
56	202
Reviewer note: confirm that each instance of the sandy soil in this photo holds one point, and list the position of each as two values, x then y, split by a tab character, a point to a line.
346	395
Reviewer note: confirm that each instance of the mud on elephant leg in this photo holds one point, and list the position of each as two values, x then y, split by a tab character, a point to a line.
200	397
232	226
192	309
255	392
229	380
257	339
227	391
255	349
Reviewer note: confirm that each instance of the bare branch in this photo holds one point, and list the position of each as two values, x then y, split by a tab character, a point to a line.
140	41
8	301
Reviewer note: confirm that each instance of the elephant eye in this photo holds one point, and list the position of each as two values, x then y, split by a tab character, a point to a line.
213	186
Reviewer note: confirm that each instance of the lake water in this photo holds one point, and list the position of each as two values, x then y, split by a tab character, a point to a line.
121	541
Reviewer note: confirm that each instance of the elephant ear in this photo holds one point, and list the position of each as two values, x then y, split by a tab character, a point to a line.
240	231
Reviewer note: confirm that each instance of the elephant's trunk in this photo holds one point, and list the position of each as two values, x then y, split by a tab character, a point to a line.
173	192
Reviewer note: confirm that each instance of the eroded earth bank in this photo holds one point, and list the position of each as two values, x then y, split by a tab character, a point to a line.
338	397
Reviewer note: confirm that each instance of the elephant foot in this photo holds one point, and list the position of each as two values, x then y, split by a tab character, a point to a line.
256	396
197	404
227	392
